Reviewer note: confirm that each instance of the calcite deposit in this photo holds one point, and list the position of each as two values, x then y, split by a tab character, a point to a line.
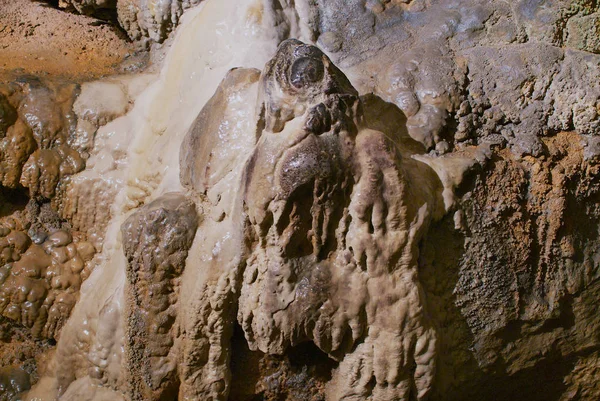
44	259
43	263
330	212
157	241
334	200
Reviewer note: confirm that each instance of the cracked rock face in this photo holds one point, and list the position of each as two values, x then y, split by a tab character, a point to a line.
523	295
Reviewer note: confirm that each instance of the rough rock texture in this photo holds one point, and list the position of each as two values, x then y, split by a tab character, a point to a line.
149	20
44	257
524	274
37	125
43	262
157	238
329	242
512	284
145	21
435	238
332	233
36	38
88	7
40	281
466	73
19	360
98	104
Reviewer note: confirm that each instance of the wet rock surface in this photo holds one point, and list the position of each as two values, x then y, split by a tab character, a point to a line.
20	359
42	263
13	381
44	259
41	281
37	126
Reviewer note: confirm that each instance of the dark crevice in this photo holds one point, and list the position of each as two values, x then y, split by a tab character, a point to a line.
299	374
48	3
104	16
307	354
12	200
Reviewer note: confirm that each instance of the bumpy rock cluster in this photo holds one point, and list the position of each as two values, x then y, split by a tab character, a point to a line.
36	123
13	381
39	282
42	265
47	130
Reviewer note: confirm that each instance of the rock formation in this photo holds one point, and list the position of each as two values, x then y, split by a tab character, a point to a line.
47	137
143	20
43	263
331	215
157	239
332	229
341	200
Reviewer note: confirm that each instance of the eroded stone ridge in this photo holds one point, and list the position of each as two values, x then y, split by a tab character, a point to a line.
156	240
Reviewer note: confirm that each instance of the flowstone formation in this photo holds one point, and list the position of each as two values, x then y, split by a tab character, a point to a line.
332	230
309	232
157	240
43	262
331	213
255	224
47	129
